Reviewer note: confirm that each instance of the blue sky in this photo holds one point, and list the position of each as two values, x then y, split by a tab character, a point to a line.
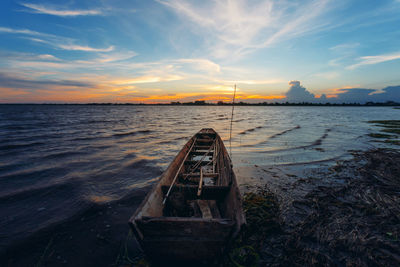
176	50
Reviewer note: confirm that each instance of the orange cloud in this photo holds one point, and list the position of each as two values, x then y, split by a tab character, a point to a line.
266	97
213	97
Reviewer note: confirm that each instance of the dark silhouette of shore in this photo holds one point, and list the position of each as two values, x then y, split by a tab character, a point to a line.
221	103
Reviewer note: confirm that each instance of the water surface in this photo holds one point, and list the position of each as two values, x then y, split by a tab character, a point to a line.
56	160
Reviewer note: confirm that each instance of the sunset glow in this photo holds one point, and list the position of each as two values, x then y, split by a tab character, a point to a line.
178	50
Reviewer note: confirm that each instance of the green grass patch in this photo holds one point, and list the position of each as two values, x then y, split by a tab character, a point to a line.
393	142
392	130
379	135
387	122
262	209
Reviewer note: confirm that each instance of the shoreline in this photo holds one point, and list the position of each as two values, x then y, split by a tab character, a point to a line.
100	235
344	215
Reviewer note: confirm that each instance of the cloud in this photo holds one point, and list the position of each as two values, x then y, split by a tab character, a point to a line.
148	79
23	83
85	48
370	60
298	93
363	95
344	47
235	27
201	64
19	31
41	9
54	40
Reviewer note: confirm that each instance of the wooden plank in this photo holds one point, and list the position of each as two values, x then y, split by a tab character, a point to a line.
201	153
174	252
206	135
177	173
179	227
193	162
214	209
200	147
204	140
200	182
204	208
197	175
208	191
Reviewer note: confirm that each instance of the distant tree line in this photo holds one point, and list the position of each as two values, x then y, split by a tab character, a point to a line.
221	103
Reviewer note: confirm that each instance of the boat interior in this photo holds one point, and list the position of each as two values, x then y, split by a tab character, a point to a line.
197	184
200	186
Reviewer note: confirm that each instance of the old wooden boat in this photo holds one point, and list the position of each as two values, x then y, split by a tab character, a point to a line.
196	208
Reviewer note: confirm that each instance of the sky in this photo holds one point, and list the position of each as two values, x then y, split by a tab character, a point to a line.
158	51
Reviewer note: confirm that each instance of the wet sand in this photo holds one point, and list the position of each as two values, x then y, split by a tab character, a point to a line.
346	214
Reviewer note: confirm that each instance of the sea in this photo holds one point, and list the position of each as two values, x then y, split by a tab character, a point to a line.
57	160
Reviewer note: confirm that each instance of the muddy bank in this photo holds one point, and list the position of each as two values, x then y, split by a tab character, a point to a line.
348	217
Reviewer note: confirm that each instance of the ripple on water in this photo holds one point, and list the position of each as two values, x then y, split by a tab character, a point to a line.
57	160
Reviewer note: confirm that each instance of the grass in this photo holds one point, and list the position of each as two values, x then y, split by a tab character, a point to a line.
392	130
386	122
123	257
379	135
394	142
261	208
389	126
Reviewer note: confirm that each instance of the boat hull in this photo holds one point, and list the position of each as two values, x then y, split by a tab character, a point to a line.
176	238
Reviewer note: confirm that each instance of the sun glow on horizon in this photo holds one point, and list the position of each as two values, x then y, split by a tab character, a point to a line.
180	50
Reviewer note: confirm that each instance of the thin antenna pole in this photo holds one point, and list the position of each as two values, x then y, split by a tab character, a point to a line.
230	131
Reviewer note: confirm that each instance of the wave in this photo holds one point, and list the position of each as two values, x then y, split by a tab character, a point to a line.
311	162
17	146
251	130
33	191
315	143
268	138
132	133
284	132
64	154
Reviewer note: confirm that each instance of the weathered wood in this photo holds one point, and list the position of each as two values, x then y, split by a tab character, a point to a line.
191	238
177	173
167	251
197	175
204	140
200	153
199	147
193	162
204	208
185	227
214	209
200	183
208	191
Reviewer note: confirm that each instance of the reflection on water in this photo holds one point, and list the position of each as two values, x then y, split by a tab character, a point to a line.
55	160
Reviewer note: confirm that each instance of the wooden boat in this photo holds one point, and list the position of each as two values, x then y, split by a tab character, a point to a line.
196	207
